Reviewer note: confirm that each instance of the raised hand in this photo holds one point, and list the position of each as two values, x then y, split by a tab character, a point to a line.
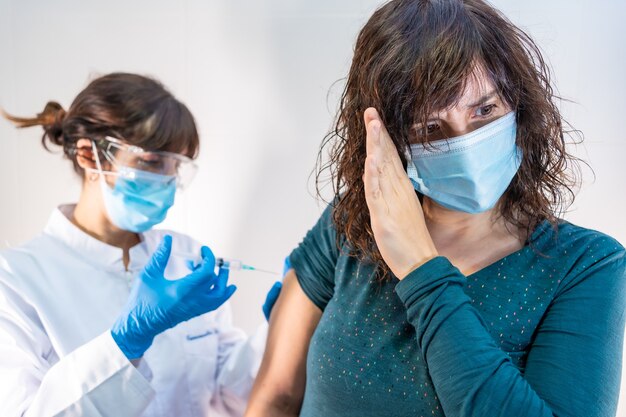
395	211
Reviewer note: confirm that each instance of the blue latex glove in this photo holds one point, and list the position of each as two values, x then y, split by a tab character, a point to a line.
274	292
271	298
286	266
156	304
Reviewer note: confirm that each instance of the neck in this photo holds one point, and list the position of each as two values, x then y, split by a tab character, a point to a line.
451	228
89	216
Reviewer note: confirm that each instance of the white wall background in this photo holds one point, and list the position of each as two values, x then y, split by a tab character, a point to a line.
257	76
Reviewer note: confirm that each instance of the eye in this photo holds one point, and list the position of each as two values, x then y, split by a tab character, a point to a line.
485	111
430	129
149	163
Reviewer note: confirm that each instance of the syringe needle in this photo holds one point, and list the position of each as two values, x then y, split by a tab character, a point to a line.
251	268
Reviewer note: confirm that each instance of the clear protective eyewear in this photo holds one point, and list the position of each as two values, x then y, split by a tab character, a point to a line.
128	159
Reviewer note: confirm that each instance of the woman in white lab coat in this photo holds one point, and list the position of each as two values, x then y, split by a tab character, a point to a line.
64	296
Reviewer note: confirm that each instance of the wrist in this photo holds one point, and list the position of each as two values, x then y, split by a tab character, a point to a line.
133	350
132	345
415	263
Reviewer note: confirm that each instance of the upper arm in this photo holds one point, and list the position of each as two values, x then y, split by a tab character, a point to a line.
307	288
315	259
280	384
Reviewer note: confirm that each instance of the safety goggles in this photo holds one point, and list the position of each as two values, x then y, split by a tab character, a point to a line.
128	159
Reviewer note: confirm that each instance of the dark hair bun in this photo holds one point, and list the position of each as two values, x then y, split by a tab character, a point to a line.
51	119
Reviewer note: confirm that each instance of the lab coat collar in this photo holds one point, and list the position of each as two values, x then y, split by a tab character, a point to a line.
91	249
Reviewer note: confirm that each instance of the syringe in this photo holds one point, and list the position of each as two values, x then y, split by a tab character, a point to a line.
237	265
231	264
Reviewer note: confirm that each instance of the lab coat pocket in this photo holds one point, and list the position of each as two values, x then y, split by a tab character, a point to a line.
201	346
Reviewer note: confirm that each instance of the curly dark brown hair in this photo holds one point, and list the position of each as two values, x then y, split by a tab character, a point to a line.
414	57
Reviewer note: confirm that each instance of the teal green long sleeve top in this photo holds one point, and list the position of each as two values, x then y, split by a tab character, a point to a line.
537	333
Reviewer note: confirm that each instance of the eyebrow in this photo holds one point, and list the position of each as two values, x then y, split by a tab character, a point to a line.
482	99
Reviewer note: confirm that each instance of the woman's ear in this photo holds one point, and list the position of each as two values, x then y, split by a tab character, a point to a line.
84	154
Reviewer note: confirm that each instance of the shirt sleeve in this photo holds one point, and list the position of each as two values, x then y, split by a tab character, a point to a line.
573	366
314	260
96	379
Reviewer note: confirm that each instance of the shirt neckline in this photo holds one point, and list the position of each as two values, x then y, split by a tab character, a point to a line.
534	237
89	248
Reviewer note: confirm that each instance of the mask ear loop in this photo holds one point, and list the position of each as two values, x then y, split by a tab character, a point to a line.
99	169
97	157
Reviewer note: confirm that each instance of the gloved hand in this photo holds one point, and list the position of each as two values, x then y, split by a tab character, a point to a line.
274	292
271	298
156	304
286	266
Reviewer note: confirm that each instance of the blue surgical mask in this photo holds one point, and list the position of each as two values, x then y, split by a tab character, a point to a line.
139	200
468	173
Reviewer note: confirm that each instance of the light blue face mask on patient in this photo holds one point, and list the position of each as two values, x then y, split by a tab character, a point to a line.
468	173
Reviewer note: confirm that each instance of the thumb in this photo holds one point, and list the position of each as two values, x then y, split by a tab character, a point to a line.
205	272
158	261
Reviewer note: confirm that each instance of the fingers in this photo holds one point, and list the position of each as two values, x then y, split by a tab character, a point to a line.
217	288
222	279
271	298
383	143
202	273
371	182
230	290
159	259
208	257
372	129
376	179
203	279
286	266
272	295
191	265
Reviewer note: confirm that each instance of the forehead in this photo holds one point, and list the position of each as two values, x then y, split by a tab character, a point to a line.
476	86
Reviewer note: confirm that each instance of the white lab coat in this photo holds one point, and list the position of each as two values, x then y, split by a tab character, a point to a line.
59	296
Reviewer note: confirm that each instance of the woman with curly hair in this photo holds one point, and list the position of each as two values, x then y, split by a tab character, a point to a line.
441	279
